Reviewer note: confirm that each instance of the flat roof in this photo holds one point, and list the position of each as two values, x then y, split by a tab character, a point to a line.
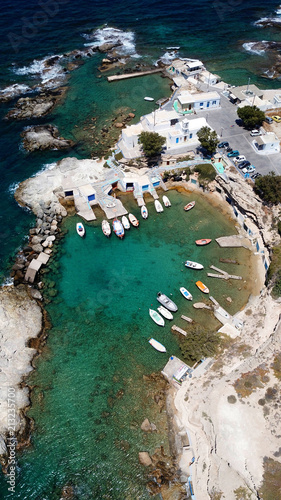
267	138
241	90
186	97
87	190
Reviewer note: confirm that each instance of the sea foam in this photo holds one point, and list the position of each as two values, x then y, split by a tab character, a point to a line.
126	39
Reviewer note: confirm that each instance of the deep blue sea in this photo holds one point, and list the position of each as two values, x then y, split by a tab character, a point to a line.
68	448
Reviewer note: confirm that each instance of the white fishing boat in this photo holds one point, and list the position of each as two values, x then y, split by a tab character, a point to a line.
159	347
148	99
125	222
166	201
158	206
193	265
133	220
80	229
118	228
156	317
187	295
144	212
166	302
106	229
165	313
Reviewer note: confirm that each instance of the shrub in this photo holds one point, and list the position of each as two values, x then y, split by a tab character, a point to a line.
206	172
268	188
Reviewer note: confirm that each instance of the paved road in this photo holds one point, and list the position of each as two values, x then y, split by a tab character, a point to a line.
223	120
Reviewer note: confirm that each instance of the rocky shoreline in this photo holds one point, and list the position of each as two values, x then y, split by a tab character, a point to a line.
42	137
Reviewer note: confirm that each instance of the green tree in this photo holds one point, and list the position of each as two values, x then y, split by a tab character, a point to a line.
251	116
269	188
208	139
151	143
199	343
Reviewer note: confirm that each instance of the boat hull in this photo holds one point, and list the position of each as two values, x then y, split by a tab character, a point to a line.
166	302
203	242
125	223
166	201
156	317
165	313
186	294
144	212
189	206
106	229
159	347
133	220
193	265
80	229
203	288
158	206
118	228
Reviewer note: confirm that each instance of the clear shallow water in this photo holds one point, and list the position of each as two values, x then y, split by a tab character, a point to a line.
89	396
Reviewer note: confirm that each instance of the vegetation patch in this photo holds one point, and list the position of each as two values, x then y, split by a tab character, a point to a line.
206	172
268	187
271	486
199	343
250	381
243	493
276	365
251	116
215	495
274	272
152	143
208	139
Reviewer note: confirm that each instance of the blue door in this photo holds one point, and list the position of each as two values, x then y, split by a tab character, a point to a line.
177	140
208	104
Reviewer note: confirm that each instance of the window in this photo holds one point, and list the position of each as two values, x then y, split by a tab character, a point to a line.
201	103
214	103
190	136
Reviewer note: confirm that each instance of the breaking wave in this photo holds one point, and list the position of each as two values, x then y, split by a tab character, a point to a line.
124	39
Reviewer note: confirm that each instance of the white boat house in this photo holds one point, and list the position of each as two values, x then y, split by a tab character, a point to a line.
189	103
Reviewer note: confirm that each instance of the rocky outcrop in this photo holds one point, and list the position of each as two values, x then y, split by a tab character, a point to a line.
40	137
35	107
20	321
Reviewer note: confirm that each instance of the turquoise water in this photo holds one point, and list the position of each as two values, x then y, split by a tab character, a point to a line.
89	397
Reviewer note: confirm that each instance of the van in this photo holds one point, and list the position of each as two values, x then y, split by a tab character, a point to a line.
268	119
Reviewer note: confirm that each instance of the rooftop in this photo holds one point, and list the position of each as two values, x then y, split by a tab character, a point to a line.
267	138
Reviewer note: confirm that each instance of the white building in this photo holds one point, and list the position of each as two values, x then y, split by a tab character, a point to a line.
190	103
186	68
267	144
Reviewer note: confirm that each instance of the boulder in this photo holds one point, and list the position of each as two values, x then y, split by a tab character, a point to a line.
146	426
41	137
144	458
37	248
35	294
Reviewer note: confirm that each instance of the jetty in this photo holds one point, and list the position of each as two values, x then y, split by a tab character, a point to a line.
223	274
234	241
115	78
186	318
175	328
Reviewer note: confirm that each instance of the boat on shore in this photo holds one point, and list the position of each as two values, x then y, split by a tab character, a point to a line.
203	242
133	220
187	295
166	201
193	265
202	287
156	317
144	212
158	206
106	229
159	347
118	228
166	302
189	206
80	229
125	222
165	313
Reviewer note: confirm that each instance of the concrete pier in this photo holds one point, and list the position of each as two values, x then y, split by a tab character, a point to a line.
234	241
115	78
223	274
179	330
186	318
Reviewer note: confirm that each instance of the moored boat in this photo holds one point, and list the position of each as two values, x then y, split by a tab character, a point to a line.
165	313
203	242
158	206
144	212
166	302
148	99
193	265
118	228
106	229
187	295
156	317
166	201
80	229
202	287
159	347
189	206
125	222
133	220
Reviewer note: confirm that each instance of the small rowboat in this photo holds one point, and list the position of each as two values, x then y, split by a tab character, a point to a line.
106	229
189	206
148	99
165	313
166	201
158	206
203	242
144	212
187	295
125	222
202	287
118	228
133	220
156	317
193	265
159	347
80	229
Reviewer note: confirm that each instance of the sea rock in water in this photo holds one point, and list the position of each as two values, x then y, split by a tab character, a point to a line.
144	458
35	107
44	137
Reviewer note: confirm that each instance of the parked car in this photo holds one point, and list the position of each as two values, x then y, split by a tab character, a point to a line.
255	132
244	164
268	119
233	154
249	170
229	150
223	144
240	158
276	118
256	175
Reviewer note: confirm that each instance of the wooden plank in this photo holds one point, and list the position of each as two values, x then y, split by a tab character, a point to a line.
179	330
186	318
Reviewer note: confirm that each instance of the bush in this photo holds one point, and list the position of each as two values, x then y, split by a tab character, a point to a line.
274	272
199	343
268	188
206	172
208	139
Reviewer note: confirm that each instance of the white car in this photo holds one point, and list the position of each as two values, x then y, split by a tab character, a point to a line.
248	170
240	158
255	132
